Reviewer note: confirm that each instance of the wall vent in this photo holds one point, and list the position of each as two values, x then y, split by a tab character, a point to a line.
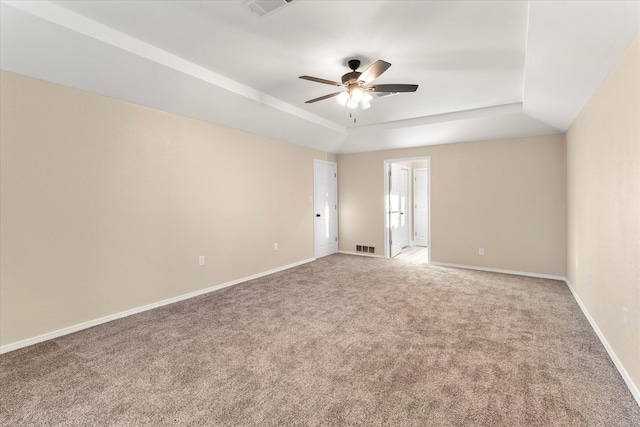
263	7
367	249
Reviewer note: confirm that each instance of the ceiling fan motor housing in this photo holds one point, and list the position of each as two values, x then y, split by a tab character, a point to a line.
351	77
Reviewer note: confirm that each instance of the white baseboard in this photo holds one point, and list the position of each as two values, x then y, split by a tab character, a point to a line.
80	326
623	372
361	254
495	270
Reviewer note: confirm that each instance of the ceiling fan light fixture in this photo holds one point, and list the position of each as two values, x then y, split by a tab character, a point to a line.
357	94
354	98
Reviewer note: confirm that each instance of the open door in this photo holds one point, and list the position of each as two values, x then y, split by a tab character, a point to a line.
405	205
397	220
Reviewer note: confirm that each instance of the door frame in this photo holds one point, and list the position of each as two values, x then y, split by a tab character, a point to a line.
317	162
385	169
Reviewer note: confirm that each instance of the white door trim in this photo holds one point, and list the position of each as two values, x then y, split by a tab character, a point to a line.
385	170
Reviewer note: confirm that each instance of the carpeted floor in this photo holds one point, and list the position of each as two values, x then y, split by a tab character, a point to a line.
344	340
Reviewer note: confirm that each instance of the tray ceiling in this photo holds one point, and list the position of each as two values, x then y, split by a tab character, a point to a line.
485	69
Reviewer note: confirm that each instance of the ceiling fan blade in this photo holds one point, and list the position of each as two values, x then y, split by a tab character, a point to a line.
318	80
374	71
331	95
393	88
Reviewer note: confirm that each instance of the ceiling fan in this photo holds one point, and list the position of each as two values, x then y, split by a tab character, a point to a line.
357	84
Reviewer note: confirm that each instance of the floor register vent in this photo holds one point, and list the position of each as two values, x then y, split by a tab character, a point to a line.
367	249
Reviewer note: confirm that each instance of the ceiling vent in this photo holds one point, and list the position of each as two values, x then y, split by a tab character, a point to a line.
263	7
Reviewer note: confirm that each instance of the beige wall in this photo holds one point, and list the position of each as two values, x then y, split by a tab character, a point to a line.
603	178
507	196
107	205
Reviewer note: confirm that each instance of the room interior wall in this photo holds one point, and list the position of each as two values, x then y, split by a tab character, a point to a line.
507	196
603	181
106	206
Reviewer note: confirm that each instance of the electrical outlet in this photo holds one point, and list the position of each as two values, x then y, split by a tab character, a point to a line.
624	317
275	246
481	251
587	278
201	260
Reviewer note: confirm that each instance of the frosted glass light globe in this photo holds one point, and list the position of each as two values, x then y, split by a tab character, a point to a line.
357	94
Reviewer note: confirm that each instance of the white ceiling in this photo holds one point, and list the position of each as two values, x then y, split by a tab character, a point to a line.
485	69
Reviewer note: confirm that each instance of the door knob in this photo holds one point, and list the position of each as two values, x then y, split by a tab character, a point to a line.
317	215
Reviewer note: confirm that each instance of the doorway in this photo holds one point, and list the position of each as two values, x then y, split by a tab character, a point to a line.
325	204
407	207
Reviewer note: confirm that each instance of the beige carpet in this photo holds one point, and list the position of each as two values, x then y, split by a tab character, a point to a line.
341	341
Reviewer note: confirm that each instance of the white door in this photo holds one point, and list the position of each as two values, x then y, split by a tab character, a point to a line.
325	179
394	209
420	207
405	182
